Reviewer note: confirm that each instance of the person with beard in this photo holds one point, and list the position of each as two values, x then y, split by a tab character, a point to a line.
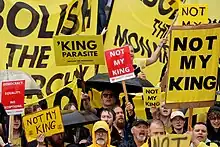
177	120
101	135
139	131
123	127
55	140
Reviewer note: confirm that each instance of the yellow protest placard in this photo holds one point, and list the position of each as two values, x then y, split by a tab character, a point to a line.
47	122
193	14
78	49
193	65
152	97
171	140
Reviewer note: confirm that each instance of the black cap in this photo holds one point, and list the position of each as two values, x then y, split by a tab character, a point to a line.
139	121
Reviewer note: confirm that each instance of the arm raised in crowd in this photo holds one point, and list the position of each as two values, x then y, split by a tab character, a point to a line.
86	103
155	55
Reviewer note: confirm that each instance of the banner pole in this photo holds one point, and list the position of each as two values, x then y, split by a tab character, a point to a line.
82	78
190	119
125	91
11	124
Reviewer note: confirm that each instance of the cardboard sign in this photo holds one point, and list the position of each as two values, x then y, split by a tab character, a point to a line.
193	14
79	49
13	96
119	64
152	97
171	140
193	65
47	122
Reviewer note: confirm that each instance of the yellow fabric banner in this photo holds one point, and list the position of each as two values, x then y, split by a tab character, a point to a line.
141	24
28	27
193	62
79	49
47	122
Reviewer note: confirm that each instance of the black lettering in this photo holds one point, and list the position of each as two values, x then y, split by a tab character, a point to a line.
144	47
199	44
162	10
86	13
35	120
119	39
64	45
29	122
178	140
80	45
50	82
197	23
210	85
12	48
91	45
204	60
211	39
165	142
184	23
185	11
38	129
54	114
188	64
13	29
191	11
152	97
24	56
186	85
48	116
2	5
178	43
72	18
62	16
149	3
43	57
195	82
175	84
43	33
135	38
202	11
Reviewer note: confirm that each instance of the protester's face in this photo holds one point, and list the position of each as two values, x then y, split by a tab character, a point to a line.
108	98
57	138
131	53
215	120
101	137
164	111
17	123
120	118
73	108
200	132
140	132
107	117
156	130
178	122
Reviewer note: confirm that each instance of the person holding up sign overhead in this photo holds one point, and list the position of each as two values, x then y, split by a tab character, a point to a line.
154	56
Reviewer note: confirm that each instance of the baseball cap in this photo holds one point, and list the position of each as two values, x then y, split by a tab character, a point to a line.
139	121
177	113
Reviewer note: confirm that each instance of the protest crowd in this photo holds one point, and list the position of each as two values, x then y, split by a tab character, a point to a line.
117	122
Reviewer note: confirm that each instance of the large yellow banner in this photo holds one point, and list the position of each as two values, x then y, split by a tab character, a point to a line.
193	64
27	28
141	24
46	122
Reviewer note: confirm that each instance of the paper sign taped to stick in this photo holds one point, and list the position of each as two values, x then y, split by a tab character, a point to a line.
193	14
193	64
152	97
13	96
47	122
119	64
79	49
171	140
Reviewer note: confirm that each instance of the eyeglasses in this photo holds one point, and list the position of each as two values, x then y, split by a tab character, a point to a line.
107	95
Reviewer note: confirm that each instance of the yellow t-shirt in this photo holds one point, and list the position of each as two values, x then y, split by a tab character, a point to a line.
16	142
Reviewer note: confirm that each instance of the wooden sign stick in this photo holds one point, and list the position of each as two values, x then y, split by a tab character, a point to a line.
125	91
11	126
190	119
